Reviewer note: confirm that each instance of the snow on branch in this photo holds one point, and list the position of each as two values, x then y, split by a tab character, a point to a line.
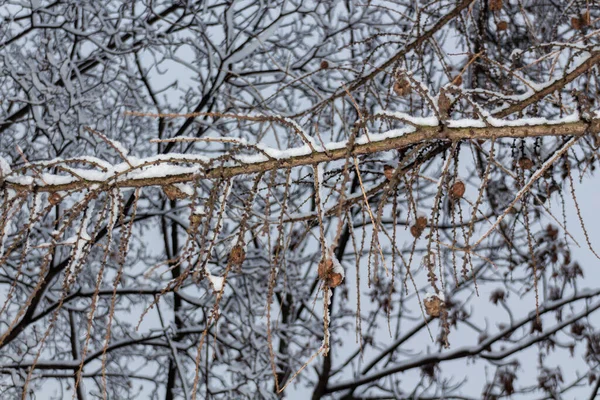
179	168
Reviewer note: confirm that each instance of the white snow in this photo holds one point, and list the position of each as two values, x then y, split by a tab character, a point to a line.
337	266
187	189
199	210
496	122
216	282
429	296
417	121
180	164
466	123
4	167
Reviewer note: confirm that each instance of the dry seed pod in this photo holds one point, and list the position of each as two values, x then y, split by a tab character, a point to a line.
325	265
433	306
457	191
388	171
495	5
415	231
327	273
237	255
54	198
335	279
576	23
173	192
421	222
402	87
525	163
457	81
195	220
324	64
585	19
502	26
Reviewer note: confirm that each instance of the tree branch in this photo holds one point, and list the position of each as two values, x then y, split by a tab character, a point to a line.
336	151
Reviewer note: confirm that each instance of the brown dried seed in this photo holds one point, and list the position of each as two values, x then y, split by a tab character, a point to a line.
54	198
326	274
195	220
173	192
334	280
495	5
585	18
576	23
457	190
237	255
388	171
421	222
458	80
525	163
433	306
324	64
325	265
502	26
416	231
402	87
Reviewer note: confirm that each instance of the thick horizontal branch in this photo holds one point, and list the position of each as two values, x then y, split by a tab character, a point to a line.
304	156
